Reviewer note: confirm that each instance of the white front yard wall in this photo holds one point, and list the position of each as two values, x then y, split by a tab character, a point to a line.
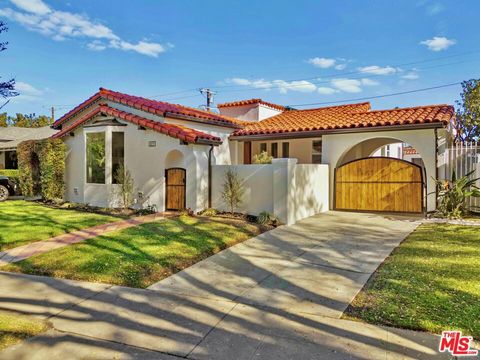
284	188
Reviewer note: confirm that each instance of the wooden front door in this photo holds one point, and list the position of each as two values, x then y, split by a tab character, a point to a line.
379	184
247	152
175	193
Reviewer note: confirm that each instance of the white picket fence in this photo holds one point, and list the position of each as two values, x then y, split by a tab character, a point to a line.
464	158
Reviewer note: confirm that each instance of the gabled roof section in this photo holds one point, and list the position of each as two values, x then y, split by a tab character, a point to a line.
11	136
155	107
176	131
251	101
347	117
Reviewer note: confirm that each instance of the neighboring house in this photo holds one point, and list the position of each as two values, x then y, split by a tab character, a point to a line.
171	150
400	151
11	136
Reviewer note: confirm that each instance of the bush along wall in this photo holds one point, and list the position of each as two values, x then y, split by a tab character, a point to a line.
41	164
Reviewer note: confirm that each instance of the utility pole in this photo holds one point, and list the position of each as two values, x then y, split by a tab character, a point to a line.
53	114
209	93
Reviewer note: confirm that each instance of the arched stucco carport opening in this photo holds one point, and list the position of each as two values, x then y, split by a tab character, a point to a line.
339	149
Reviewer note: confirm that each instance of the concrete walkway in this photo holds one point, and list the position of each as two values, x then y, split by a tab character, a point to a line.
277	296
39	247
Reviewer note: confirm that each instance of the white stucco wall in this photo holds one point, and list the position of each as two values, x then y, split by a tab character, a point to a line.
250	112
145	163
335	146
284	188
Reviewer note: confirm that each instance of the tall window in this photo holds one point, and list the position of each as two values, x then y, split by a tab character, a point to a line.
95	158
274	150
118	151
317	151
263	147
285	150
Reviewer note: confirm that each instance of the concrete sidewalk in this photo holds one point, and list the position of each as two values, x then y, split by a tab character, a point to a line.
277	296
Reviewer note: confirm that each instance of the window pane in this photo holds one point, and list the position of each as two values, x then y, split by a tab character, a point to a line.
275	150
263	147
285	149
118	146
317	152
96	158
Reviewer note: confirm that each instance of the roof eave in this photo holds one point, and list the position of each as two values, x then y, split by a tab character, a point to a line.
317	133
173	115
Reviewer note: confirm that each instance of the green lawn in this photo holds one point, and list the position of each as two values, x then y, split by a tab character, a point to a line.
431	282
142	255
22	222
15	328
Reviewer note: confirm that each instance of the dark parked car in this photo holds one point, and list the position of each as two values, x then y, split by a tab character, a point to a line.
7	188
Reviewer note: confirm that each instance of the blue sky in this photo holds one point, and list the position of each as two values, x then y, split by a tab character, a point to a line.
287	52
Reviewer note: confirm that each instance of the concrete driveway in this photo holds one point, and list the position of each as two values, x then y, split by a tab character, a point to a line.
277	296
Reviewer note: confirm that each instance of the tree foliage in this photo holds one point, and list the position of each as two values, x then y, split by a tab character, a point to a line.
41	165
22	120
7	88
468	112
262	158
233	190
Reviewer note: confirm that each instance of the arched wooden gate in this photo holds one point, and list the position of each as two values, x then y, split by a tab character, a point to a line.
175	198
379	184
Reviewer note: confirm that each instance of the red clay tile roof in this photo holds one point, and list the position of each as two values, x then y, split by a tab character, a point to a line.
154	107
409	151
176	131
346	117
251	101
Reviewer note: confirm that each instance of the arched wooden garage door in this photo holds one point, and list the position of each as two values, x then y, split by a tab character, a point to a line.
379	184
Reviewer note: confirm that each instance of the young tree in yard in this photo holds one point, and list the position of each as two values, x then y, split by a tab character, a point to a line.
3	120
468	112
124	179
233	190
7	88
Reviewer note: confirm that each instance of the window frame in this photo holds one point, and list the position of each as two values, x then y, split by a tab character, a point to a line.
87	178
286	145
316	153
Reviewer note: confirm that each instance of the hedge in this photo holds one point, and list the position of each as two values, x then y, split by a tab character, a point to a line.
41	164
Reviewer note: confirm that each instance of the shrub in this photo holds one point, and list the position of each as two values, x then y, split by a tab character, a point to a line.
265	218
209	212
41	164
262	158
453	195
233	190
125	189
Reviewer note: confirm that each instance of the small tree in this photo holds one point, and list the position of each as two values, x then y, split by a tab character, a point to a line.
468	112
124	179
262	158
233	190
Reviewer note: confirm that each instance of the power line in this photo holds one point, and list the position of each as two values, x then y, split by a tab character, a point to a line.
378	96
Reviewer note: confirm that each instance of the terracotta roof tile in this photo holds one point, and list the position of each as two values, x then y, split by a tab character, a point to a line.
154	107
173	130
251	101
345	117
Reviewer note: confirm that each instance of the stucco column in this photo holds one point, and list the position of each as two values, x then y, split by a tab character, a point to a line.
283	189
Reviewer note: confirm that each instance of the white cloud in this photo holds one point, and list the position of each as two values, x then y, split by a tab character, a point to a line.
410	76
323	63
438	43
377	70
282	85
369	82
26	89
435	9
61	25
347	85
340	66
324	90
32	6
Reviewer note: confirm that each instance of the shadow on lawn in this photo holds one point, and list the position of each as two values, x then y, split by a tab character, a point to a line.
198	327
